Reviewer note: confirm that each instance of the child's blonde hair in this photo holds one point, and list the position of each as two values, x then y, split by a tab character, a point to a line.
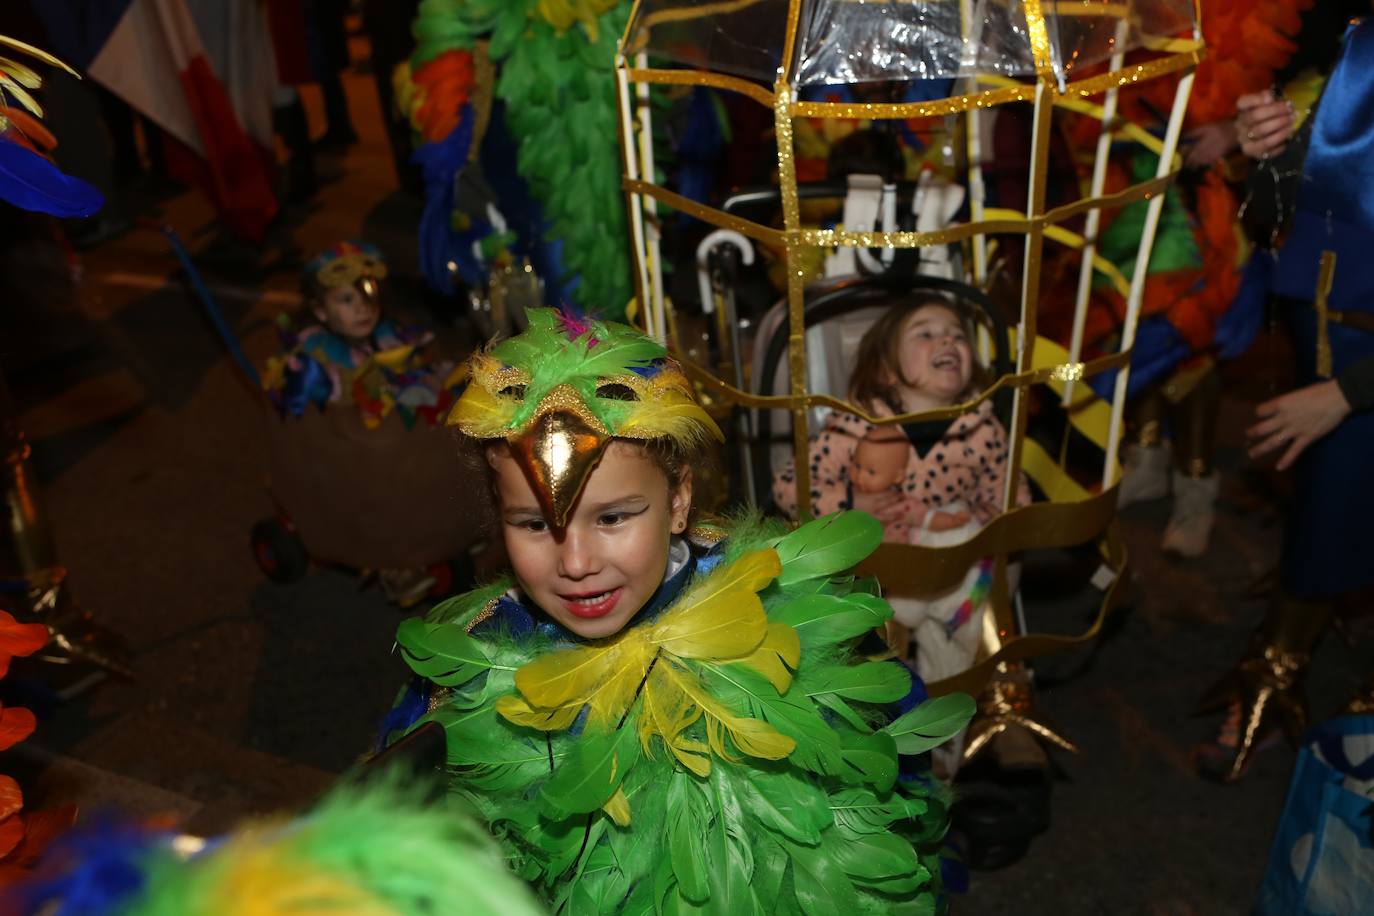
878	365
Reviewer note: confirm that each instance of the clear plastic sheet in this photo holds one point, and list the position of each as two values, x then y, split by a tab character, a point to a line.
862	41
743	38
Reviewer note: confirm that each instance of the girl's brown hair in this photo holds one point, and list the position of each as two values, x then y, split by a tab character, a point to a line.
878	364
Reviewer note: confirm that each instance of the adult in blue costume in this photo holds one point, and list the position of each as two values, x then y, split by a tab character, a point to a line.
1326	428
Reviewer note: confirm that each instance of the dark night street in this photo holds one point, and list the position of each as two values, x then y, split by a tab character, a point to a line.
251	697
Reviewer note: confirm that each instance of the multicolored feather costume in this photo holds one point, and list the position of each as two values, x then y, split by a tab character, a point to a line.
378	849
727	755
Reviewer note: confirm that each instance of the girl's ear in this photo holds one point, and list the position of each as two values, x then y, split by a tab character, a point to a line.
319	311
680	503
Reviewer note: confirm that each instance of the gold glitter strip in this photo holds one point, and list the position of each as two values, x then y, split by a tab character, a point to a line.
1026	338
704	213
1137	73
1039	40
630	23
1326	275
1041	525
1011	91
1019	648
903	110
487	610
662	17
1006	221
792	402
661	77
796	288
1071	239
1080	10
790	40
1079	105
1142	191
988	98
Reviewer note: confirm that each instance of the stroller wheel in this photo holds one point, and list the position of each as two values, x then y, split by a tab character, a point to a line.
280	554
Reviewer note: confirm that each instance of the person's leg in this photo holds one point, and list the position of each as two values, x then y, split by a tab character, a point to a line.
1145	460
289	120
1194	422
1264	690
339	130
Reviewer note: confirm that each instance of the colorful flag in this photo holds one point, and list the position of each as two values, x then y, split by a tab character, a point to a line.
203	71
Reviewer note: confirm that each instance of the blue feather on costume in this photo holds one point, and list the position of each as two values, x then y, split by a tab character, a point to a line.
441	162
31	182
102	868
1158	350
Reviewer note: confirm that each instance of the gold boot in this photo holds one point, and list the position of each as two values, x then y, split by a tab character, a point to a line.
33	586
1267	681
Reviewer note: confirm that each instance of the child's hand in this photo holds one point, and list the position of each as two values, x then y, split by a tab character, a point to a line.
946	521
886	506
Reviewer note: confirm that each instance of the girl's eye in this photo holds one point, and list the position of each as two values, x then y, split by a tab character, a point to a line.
612	518
534	525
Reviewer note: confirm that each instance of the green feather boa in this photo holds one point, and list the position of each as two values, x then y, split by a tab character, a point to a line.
559	90
828	829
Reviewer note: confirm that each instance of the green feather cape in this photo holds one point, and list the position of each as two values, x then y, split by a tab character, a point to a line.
559	90
825	829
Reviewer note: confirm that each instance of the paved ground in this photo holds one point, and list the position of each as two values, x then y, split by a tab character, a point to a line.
251	696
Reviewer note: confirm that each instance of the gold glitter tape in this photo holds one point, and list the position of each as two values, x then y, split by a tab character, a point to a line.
1019	648
1326	275
1039	525
1006	221
796	289
704	213
1079	9
655	76
1039	40
662	17
790	40
1041	375
1081	106
1071	239
988	98
1137	73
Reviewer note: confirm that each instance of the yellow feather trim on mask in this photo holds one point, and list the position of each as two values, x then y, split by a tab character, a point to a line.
481	414
683	422
719	619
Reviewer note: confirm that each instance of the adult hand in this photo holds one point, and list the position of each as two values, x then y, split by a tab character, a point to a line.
1209	143
1297	419
886	506
1263	123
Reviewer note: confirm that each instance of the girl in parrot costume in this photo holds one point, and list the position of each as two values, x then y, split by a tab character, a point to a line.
656	715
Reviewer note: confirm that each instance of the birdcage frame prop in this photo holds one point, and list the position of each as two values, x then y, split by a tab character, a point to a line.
1074	513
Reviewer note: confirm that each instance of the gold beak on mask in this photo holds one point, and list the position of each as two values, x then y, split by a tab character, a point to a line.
557	453
368	288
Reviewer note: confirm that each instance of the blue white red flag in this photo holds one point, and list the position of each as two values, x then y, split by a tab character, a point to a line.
203	71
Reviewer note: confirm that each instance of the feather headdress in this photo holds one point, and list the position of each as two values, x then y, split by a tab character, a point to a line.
562	389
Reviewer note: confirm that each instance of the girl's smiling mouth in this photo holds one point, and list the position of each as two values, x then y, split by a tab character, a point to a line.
592	605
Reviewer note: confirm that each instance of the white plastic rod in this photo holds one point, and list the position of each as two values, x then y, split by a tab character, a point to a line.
652	231
1094	220
1142	262
977	190
1030	284
641	255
